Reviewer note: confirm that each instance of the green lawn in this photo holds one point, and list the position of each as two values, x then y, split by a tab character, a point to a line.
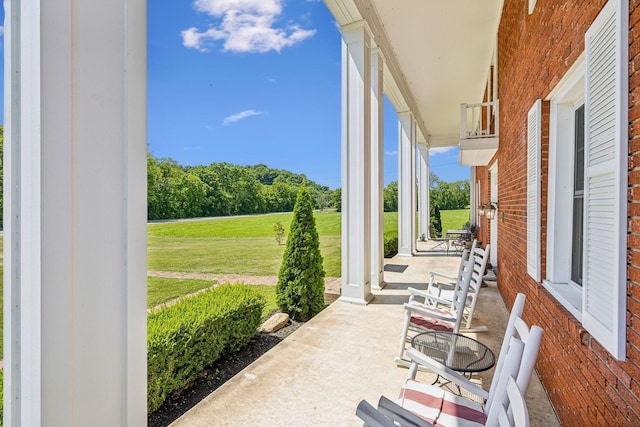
454	219
160	290
239	245
247	245
451	220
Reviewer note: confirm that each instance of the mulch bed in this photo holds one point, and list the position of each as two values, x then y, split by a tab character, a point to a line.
217	374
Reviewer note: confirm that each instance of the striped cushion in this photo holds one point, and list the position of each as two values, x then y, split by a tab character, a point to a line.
440	407
422	399
431	323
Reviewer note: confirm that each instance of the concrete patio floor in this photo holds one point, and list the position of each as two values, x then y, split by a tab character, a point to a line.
318	375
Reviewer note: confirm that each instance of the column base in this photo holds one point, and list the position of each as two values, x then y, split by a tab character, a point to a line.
379	286
359	301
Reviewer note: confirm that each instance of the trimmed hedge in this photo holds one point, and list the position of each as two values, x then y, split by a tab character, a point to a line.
184	338
390	246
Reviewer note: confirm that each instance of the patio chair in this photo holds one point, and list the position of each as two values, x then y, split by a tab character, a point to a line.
437	287
517	328
443	244
437	279
425	405
421	316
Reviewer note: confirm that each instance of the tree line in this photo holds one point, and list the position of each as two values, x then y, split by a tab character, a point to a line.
221	189
444	195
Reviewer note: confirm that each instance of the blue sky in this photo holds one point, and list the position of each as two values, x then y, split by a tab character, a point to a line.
255	81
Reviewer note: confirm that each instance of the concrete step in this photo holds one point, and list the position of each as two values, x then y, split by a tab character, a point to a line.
332	290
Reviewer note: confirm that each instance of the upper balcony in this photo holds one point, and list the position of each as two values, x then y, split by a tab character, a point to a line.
479	133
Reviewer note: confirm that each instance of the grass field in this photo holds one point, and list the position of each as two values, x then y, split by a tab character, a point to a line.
454	219
241	245
234	245
247	245
160	290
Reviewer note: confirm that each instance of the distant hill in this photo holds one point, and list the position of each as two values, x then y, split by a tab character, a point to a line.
220	189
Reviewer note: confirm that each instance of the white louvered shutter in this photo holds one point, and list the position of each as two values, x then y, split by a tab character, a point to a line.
606	141
534	125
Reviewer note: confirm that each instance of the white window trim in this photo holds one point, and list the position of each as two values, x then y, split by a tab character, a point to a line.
568	93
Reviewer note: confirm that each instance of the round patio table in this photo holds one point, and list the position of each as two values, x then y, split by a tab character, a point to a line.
455	351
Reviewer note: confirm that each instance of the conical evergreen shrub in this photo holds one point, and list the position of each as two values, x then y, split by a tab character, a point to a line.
300	288
436	221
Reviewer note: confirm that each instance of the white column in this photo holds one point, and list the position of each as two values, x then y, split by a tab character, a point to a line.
406	184
473	199
75	213
377	169
423	185
356	166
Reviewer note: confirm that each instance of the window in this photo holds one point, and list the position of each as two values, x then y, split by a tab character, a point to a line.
578	196
587	207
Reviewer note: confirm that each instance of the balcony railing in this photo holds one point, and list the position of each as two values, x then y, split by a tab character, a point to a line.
478	133
479	120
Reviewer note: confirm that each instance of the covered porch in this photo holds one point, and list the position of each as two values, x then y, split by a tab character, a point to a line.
317	375
437	64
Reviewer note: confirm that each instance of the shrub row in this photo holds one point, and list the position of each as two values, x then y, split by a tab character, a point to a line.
390	246
184	338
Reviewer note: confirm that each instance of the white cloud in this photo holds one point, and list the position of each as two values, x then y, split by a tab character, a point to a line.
440	150
246	26
239	116
391	153
1	30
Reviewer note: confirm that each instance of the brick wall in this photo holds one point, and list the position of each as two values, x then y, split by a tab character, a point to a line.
586	385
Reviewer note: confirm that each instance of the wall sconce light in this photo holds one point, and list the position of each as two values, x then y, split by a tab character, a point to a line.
481	209
490	211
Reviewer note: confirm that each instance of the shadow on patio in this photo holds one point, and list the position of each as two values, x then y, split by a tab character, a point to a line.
345	354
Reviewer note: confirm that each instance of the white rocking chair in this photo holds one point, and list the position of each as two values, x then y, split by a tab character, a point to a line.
425	316
504	401
436	287
425	405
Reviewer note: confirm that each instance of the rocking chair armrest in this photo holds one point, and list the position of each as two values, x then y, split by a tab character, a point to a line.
371	416
433	300
443	286
397	413
419	310
433	274
418	293
417	358
427	296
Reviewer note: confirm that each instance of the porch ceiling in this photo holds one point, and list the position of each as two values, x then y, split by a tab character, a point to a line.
438	55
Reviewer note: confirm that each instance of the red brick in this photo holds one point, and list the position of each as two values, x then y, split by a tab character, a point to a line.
534	53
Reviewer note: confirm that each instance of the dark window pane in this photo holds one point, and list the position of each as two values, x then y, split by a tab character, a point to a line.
578	197
576	241
578	177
